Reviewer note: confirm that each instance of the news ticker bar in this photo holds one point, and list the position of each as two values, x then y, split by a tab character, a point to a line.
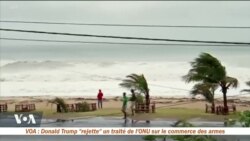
124	131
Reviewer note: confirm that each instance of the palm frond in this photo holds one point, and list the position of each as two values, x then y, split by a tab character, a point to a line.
193	77
246	90
205	68
137	82
231	82
182	123
248	83
205	89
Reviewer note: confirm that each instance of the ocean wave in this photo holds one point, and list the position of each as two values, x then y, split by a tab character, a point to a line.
33	65
2	80
78	77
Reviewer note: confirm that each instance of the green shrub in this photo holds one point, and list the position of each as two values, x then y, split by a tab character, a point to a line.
139	98
84	107
245	118
150	138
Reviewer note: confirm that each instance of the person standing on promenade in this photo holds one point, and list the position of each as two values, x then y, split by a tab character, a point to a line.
133	102
124	105
100	99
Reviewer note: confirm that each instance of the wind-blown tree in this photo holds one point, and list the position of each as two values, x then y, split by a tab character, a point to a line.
61	105
137	82
247	90
207	90
208	69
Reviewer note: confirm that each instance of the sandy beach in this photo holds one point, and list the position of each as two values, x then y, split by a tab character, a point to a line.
113	104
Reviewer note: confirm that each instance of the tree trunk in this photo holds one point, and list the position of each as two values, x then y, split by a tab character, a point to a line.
58	108
224	91
213	107
147	101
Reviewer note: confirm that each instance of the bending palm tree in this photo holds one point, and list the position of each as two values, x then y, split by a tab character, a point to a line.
137	82
207	90
208	69
246	90
61	105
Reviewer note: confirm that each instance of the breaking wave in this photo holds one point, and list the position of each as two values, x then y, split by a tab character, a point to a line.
85	77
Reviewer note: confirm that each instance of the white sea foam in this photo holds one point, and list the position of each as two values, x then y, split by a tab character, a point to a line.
84	78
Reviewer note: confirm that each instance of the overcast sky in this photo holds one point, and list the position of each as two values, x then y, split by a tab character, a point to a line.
127	12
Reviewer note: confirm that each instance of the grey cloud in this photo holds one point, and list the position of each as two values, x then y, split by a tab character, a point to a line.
127	12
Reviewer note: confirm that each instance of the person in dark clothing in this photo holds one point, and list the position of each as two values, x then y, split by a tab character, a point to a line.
100	99
133	102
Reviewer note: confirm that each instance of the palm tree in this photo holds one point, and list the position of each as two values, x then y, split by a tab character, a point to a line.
208	69
207	90
139	83
61	105
246	90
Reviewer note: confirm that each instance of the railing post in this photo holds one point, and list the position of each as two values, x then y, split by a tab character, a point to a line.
93	106
234	108
153	107
217	110
206	108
